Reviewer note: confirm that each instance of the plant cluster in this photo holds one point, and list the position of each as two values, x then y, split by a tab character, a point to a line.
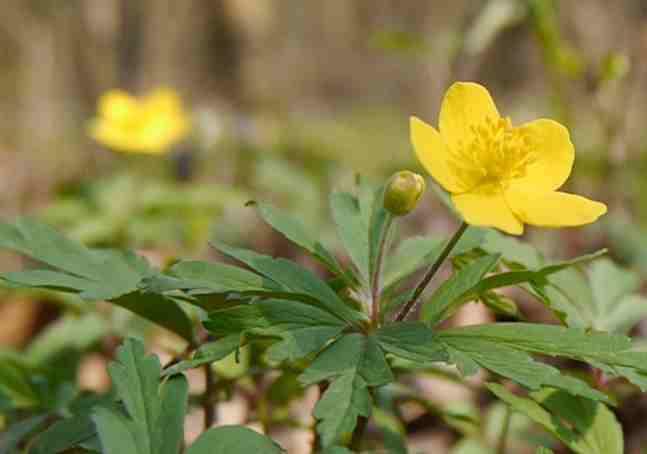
361	331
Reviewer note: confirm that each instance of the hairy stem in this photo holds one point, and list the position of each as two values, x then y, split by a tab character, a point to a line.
430	273
376	279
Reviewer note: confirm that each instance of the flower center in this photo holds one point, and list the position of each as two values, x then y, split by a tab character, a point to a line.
494	153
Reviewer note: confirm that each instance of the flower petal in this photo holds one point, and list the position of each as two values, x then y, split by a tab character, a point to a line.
432	154
555	155
487	209
466	105
163	100
554	209
117	105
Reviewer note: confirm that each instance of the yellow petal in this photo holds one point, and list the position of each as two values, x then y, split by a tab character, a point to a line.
432	154
117	105
487	209
466	105
554	209
163	100
554	157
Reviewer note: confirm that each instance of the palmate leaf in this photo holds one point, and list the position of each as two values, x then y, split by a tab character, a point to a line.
585	426
468	283
93	274
507	348
515	365
605	298
613	353
154	423
301	328
295	281
346	399
294	230
352	353
353	363
413	341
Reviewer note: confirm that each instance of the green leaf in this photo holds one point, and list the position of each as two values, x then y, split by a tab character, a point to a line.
303	329
219	278
375	216
544	339
413	341
296	280
616	305
93	274
613	353
501	304
482	287
116	433
354	362
453	291
63	435
233	439
515	365
159	309
346	399
512	250
207	353
16	433
16	383
170	422
295	231
352	230
154	424
585	426
350	354
568	295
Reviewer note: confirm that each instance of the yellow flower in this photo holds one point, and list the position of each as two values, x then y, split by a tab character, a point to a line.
147	125
500	175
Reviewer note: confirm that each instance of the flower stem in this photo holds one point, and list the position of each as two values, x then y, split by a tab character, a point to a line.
430	273
377	273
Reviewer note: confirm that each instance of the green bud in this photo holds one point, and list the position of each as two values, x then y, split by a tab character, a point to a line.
403	192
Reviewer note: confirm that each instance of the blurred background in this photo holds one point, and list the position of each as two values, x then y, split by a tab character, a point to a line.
289	100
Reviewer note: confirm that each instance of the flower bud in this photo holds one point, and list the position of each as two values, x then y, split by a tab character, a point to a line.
403	192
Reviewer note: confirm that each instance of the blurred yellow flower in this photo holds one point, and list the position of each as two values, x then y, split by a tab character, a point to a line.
500	175
151	124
